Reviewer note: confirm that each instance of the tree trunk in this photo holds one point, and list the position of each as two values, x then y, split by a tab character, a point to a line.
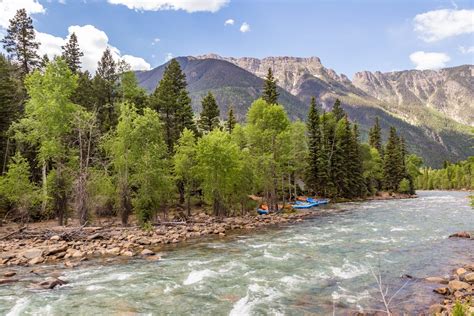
45	188
188	204
126	204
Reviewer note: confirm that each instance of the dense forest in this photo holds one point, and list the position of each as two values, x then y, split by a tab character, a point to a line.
453	176
85	145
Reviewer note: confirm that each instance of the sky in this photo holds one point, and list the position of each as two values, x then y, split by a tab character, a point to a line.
347	35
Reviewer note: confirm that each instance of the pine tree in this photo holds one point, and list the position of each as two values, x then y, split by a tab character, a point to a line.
270	88
105	89
20	42
356	178
72	54
9	106
314	144
393	164
231	121
337	110
340	169
210	113
375	136
172	102
84	94
44	62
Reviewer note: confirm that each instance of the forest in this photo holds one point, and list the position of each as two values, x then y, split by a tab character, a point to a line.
76	144
453	176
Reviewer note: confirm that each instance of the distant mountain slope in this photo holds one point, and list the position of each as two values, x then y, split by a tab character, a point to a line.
449	91
238	81
230	84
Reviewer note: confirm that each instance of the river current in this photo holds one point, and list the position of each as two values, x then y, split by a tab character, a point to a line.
322	266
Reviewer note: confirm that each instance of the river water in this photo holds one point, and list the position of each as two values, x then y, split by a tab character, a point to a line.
319	267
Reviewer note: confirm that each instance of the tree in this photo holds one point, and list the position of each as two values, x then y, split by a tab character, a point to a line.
355	165
231	121
185	163
48	123
337	110
393	164
105	86
20	42
314	145
131	91
72	53
218	166
84	94
171	101
270	88
373	168
209	118
10	109
375	136
17	187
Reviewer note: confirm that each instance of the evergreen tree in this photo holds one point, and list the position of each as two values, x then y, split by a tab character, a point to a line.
337	110
105	89
172	102
231	121
314	145
72	53
356	169
393	165
20	42
375	136
210	113
44	62
270	88
10	109
85	94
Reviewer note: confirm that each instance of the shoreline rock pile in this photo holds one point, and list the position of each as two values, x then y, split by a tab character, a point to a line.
78	244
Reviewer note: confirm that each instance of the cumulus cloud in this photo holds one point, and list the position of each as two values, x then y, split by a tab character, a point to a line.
156	40
8	9
186	5
245	27
168	57
423	60
466	50
229	22
92	42
436	25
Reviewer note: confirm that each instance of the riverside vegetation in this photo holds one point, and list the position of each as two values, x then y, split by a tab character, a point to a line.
99	146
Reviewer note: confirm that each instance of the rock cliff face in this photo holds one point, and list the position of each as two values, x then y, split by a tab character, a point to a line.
449	91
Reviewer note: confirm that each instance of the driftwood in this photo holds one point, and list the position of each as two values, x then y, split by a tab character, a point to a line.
13	233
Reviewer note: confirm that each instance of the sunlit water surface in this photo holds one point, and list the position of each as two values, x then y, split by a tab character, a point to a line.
318	267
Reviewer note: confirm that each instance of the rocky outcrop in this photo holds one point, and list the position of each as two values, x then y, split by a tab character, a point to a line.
448	91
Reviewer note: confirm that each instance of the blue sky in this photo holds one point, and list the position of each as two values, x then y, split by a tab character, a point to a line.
348	36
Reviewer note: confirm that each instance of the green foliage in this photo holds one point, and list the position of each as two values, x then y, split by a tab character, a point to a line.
394	170
338	111
231	121
460	309
209	118
270	88
219	167
404	186
17	187
454	176
314	143
375	136
373	168
131	91
101	192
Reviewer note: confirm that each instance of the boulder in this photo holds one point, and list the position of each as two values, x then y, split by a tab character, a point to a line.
143	241
78	254
5	281
460	271
439	280
114	251
36	260
469	277
436	309
9	274
127	253
461	235
32	253
54	250
441	290
456	285
147	252
55	238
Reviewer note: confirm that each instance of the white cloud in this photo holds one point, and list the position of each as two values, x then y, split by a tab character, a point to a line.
155	41
92	42
423	60
136	63
436	25
229	22
186	5
245	27
466	50
168	57
8	9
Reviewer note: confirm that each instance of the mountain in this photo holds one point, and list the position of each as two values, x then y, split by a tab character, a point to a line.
230	84
432	128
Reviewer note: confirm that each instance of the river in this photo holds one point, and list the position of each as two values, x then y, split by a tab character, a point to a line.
321	266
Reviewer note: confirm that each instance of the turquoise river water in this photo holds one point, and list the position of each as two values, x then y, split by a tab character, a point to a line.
319	267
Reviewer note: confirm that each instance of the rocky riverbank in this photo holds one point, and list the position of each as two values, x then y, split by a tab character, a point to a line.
70	246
